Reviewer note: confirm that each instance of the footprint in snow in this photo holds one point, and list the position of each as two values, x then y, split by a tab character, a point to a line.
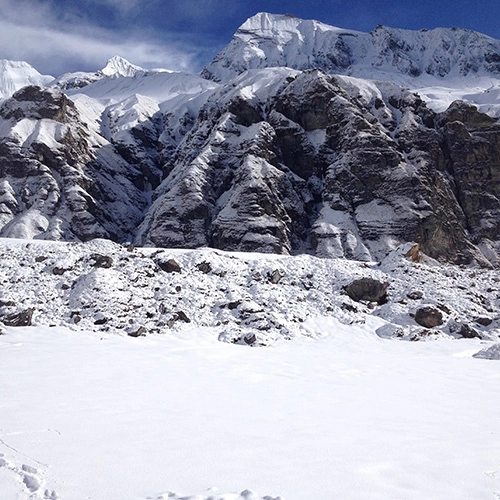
31	479
493	474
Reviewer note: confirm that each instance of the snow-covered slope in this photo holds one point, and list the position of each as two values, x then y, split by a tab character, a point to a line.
245	298
15	75
267	40
443	65
90	412
121	103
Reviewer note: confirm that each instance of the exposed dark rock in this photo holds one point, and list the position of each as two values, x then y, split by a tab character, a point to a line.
415	295
367	289
276	276
234	305
429	317
204	267
483	321
101	321
444	308
356	179
59	271
141	331
183	316
104	261
423	334
168	265
250	339
467	332
178	316
22	318
349	307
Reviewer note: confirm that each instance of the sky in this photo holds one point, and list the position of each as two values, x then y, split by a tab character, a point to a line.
58	36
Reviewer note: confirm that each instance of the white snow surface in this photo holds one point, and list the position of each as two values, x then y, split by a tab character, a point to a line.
118	66
333	407
15	75
442	65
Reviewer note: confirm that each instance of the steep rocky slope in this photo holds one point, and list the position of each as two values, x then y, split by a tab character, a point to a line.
293	162
58	181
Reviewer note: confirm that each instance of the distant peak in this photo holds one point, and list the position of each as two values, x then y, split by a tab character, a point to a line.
264	21
118	66
7	63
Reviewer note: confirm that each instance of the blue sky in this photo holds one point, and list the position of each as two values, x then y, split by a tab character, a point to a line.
67	35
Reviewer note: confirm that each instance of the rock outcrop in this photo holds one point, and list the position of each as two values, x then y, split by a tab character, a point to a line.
309	166
57	180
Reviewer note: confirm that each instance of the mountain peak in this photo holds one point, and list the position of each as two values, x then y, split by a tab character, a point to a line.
15	75
277	40
118	66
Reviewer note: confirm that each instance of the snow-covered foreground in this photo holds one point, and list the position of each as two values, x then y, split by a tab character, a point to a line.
347	416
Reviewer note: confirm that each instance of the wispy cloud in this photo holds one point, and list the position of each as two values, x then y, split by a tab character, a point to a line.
55	42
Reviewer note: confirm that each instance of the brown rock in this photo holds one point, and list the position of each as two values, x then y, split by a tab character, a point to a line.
368	289
429	317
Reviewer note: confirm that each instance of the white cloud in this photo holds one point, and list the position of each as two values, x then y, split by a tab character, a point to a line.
31	31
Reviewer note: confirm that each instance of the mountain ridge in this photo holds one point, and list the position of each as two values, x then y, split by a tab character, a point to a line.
267	40
276	159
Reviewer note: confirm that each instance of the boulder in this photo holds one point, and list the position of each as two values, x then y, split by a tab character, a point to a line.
368	289
250	338
178	316
168	265
22	318
204	267
99	260
59	271
276	276
429	317
415	295
141	331
414	253
483	321
467	332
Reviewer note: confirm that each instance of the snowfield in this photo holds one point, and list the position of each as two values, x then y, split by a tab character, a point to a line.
334	407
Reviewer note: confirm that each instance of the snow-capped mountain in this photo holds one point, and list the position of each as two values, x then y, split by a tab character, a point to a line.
267	40
299	143
278	155
442	64
15	75
118	66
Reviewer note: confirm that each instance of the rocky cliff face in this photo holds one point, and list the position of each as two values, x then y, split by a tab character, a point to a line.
57	181
311	167
275	160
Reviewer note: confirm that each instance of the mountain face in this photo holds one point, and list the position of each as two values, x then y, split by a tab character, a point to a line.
283	145
15	75
267	40
292	162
